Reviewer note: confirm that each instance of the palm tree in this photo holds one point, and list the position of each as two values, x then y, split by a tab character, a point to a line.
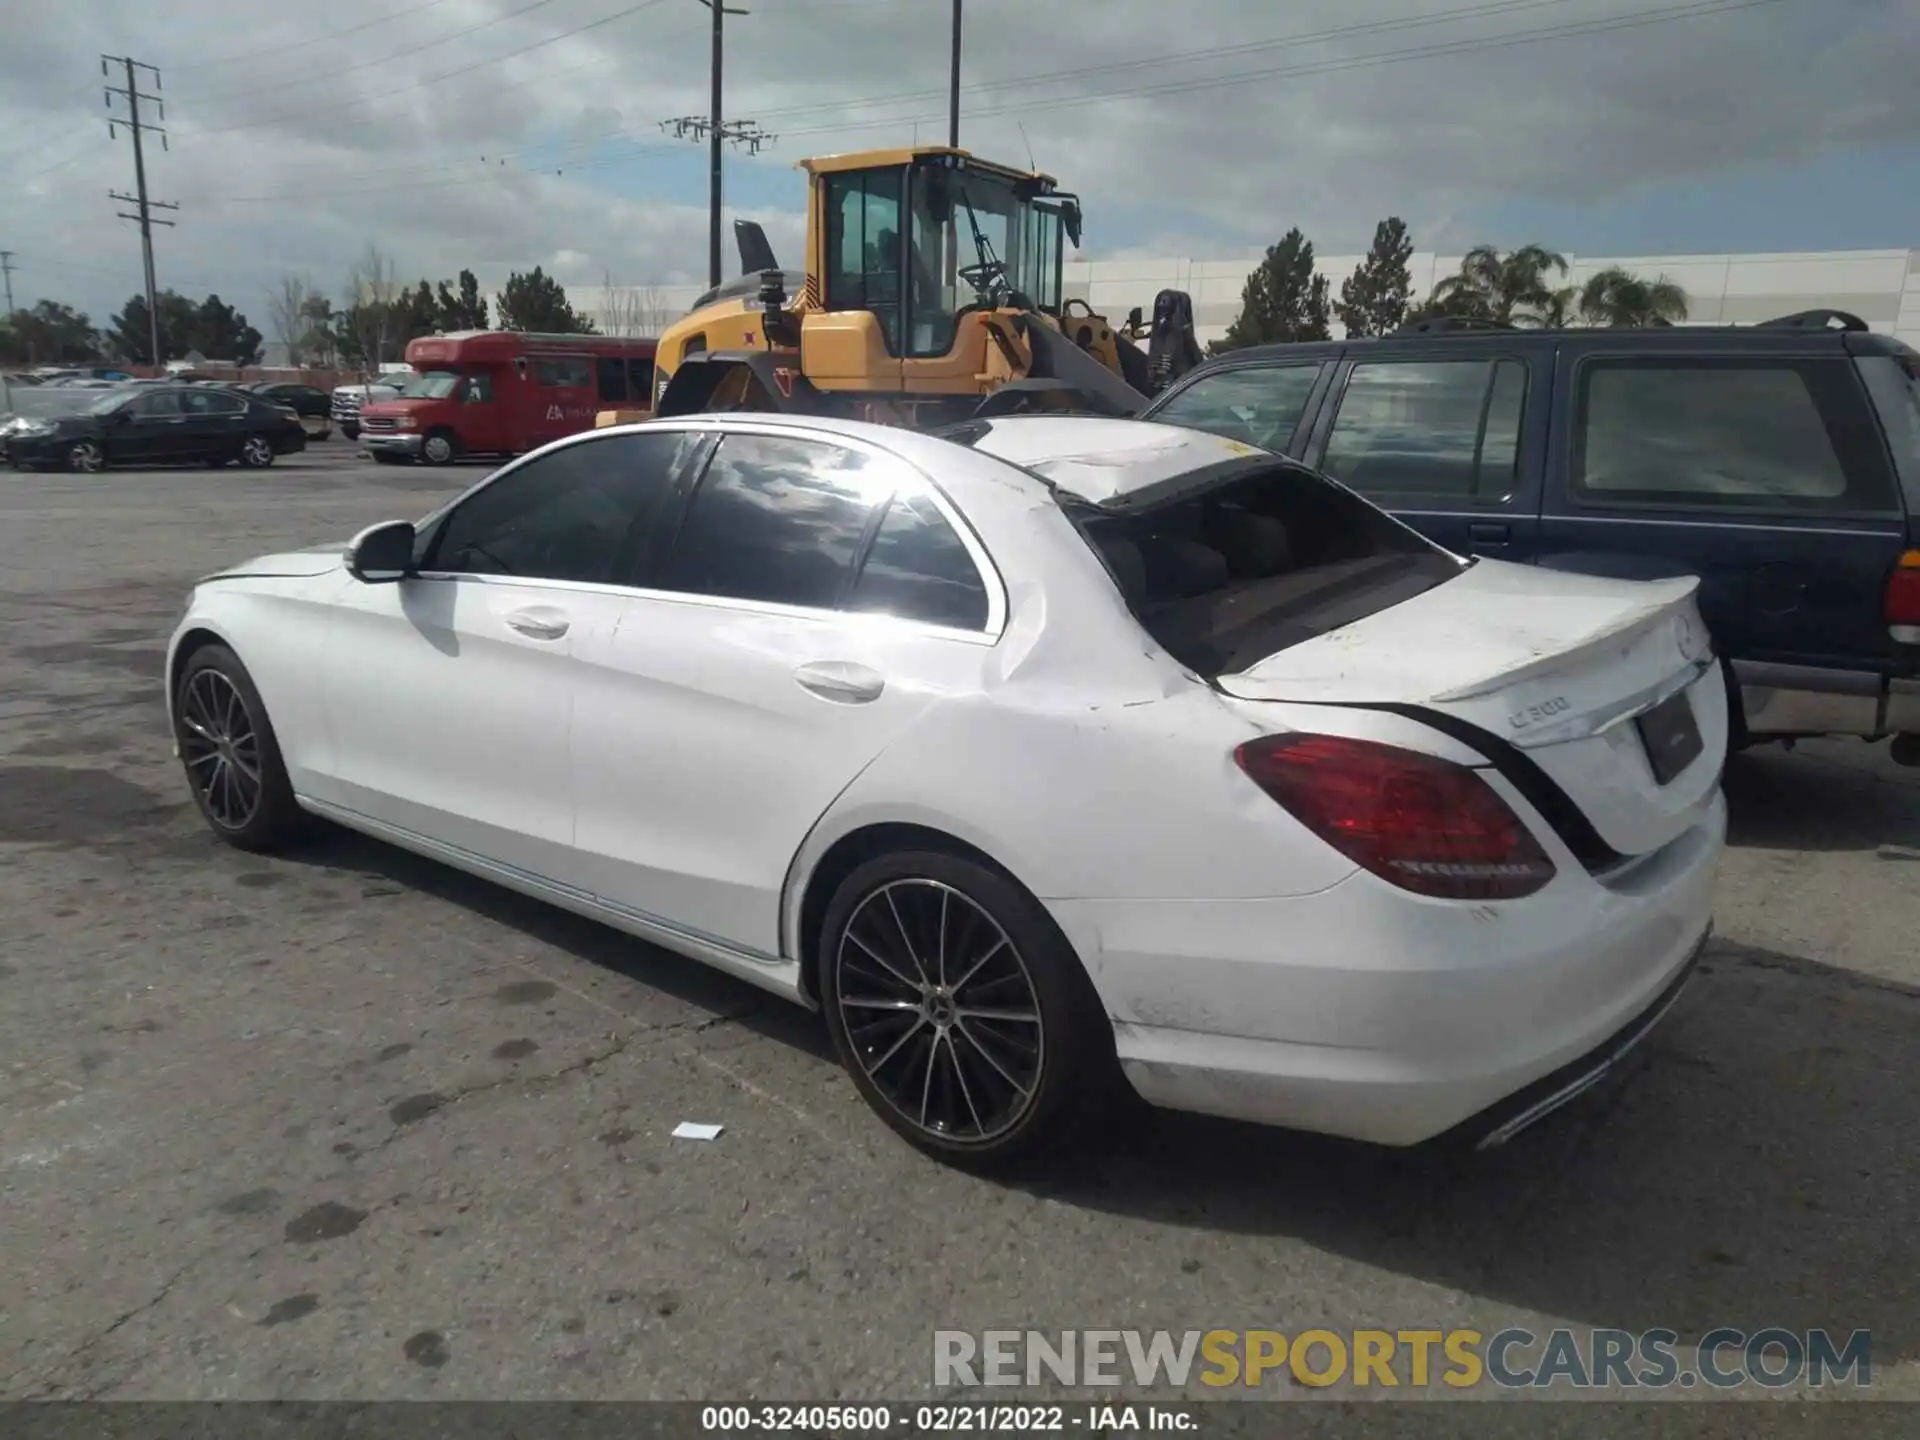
1514	289
1617	297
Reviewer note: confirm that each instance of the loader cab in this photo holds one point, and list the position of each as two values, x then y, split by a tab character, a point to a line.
919	238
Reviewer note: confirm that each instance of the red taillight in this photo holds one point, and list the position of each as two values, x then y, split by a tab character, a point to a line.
1425	824
1903	591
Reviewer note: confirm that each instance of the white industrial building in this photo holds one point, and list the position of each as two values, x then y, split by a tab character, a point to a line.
1882	287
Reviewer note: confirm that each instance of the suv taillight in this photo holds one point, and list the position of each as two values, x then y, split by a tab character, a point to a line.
1903	591
1425	824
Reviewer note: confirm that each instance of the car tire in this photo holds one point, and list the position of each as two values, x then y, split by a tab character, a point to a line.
964	1086
230	754
86	457
439	447
256	452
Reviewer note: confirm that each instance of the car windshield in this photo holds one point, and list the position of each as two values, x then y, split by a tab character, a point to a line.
110	401
426	384
36	401
1243	560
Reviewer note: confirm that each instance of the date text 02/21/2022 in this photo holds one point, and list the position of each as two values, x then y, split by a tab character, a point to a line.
947	1419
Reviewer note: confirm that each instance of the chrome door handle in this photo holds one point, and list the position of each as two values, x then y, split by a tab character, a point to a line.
841	681
541	624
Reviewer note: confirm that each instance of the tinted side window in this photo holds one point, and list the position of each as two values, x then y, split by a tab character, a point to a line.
777	520
1786	434
918	568
565	371
1894	383
1429	430
612	378
1260	405
164	403
211	402
580	513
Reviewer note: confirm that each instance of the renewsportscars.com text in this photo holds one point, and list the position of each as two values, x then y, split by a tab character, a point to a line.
1723	1358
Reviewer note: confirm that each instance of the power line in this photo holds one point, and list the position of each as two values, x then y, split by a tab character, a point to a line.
331	37
143	207
547	77
1439	49
1213	52
1025	82
332	75
1635	20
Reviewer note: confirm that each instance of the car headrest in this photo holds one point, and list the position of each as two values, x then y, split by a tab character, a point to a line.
1177	568
1256	546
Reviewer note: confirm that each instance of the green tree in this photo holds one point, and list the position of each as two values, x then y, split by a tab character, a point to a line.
221	332
1618	297
1514	289
48	334
466	310
1282	300
179	328
537	302
1373	300
418	313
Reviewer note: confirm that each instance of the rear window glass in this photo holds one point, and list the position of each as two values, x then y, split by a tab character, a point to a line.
1780	435
1223	577
1259	405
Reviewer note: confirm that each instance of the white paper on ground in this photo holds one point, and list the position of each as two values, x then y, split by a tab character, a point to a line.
692	1130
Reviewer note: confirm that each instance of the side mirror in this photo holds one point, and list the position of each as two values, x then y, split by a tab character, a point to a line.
382	554
1134	318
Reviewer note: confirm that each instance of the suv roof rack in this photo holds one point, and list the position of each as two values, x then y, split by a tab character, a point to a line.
1449	324
1815	320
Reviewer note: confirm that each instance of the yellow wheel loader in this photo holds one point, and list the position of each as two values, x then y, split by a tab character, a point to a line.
932	293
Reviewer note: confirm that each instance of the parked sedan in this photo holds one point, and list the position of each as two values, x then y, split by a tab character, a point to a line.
313	405
160	425
1044	757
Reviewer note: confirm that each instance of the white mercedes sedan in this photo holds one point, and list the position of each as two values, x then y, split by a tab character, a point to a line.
1045	756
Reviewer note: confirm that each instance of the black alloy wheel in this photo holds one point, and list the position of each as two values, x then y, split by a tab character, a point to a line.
962	1014
230	754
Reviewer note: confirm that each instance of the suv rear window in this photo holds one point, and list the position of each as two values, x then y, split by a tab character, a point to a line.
1264	557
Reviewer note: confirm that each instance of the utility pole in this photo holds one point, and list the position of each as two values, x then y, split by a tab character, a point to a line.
953	84
6	268
143	207
716	132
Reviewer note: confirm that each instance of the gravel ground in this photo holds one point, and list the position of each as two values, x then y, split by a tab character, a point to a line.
350	1125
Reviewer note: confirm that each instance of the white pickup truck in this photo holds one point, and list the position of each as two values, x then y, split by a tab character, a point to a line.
347	399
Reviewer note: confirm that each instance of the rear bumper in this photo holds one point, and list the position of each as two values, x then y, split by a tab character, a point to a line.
1362	1012
391	443
1808	700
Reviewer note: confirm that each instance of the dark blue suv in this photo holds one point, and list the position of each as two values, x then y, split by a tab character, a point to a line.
1780	463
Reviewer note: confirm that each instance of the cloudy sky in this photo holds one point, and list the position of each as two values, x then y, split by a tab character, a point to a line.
500	134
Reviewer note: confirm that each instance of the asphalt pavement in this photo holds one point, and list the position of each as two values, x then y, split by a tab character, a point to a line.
350	1125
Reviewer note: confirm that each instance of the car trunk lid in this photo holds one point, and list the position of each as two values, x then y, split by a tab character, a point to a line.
1607	686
